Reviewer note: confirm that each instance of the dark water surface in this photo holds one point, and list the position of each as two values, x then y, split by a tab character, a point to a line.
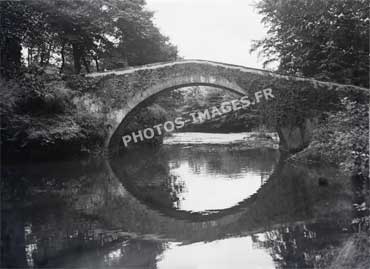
201	206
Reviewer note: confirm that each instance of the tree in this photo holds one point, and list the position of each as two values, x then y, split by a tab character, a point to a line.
105	33
325	39
138	40
16	22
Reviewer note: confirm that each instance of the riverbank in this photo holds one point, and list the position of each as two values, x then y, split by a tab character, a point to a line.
341	139
353	253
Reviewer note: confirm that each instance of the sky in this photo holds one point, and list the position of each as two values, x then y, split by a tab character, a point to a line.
217	30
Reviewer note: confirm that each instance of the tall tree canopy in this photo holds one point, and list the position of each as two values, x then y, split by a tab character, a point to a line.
325	39
79	34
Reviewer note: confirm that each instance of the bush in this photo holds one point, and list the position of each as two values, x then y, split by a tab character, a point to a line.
342	139
38	116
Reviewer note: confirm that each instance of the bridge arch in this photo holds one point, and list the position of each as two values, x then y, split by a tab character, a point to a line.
177	83
120	91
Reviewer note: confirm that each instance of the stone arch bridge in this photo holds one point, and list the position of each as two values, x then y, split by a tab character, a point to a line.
120	91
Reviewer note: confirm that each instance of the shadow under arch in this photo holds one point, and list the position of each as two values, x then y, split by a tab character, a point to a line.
117	171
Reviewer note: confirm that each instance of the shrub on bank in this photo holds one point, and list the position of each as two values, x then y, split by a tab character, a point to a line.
342	139
38	118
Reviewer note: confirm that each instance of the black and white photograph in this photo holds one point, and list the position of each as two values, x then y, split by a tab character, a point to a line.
184	134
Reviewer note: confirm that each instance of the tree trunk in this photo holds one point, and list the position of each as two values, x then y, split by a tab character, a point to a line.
48	55
10	56
77	54
29	57
86	64
10	46
96	63
42	54
38	55
63	57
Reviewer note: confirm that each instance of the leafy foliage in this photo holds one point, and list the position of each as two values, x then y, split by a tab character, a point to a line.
38	117
325	39
343	138
76	35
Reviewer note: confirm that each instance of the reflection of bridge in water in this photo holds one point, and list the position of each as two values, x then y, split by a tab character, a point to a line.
290	195
147	174
96	210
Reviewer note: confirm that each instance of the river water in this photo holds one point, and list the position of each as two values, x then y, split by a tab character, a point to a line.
184	205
